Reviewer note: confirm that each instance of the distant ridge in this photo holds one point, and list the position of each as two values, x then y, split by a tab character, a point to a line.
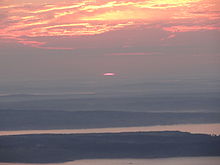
50	119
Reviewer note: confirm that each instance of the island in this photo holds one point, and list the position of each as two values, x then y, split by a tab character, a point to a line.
57	148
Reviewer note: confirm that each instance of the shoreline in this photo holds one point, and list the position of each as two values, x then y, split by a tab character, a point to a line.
211	129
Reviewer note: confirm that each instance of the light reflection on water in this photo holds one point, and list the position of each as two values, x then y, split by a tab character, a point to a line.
193	128
163	161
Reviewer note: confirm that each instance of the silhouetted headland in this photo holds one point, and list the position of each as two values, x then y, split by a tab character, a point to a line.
50	148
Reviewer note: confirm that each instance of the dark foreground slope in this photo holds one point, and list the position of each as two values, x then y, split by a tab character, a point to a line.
49	148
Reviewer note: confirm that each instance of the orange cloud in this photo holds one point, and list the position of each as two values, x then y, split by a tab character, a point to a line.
92	17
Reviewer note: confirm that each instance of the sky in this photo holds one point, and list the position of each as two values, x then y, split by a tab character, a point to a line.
115	39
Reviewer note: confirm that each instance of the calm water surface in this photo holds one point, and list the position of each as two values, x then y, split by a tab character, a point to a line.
164	161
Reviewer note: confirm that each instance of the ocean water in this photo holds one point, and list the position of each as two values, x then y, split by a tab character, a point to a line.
168	161
162	161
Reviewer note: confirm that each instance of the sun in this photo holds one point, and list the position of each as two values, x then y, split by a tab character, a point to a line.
109	74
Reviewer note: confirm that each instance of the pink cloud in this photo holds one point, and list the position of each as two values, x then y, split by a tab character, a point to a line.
190	28
82	18
133	53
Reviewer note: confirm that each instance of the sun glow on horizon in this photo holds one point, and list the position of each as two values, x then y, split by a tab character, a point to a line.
109	74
